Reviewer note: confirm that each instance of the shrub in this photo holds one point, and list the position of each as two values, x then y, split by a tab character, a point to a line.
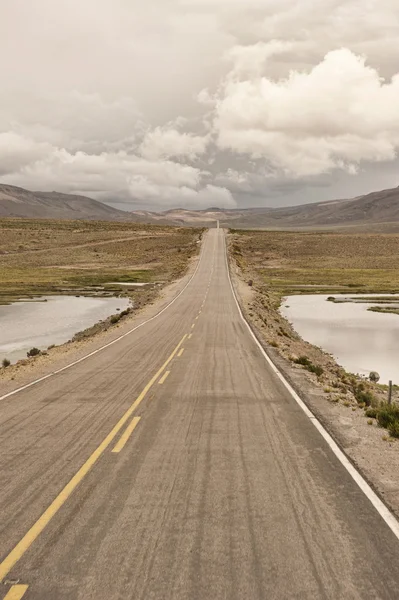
364	398
387	415
316	369
305	362
115	319
6	362
371	412
302	360
374	376
33	352
394	429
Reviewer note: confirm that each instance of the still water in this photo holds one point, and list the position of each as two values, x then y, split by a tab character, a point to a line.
24	325
361	341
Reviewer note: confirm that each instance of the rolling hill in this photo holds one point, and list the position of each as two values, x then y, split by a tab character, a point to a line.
375	210
17	202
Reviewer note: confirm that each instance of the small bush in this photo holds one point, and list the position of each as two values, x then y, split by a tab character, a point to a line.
302	360
6	362
114	319
33	352
364	398
372	413
316	369
394	429
305	362
273	343
388	415
370	422
374	376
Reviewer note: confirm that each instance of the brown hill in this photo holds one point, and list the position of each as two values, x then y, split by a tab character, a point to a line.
17	202
375	210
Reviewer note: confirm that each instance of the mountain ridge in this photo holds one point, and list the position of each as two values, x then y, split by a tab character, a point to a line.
375	208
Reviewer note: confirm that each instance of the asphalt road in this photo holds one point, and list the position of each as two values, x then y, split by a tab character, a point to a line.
175	465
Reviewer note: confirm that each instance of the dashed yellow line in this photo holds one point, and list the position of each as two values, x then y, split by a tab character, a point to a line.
163	378
180	352
190	336
24	544
16	592
128	432
192	326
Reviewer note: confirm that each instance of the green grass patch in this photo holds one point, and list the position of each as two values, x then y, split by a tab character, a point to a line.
309	366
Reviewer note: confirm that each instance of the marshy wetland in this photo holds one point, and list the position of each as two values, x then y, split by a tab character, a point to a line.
302	270
59	277
360	339
50	320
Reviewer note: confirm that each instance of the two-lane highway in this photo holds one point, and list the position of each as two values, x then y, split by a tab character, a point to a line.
176	465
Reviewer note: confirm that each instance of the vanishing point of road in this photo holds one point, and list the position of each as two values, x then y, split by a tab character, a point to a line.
176	465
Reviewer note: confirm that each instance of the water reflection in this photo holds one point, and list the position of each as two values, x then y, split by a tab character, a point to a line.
361	341
24	325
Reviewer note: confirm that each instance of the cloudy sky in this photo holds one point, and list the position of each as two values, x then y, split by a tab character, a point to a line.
200	103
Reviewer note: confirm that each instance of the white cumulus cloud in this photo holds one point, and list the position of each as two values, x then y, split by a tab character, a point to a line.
165	142
335	115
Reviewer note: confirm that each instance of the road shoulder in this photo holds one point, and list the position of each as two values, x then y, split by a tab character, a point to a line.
368	447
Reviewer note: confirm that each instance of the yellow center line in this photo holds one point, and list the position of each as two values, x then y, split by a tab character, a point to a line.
190	336
24	544
16	592
164	376
180	352
192	326
128	432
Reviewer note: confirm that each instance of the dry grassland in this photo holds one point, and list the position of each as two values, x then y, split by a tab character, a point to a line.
46	256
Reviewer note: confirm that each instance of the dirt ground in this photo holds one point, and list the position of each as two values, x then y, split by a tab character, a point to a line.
50	257
330	395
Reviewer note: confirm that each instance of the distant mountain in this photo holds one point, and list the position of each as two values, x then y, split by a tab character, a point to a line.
17	202
378	210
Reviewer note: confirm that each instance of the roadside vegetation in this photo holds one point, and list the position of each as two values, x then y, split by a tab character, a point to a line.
390	310
282	263
89	258
42	257
295	262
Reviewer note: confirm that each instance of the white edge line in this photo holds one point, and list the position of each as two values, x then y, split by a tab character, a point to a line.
380	507
28	385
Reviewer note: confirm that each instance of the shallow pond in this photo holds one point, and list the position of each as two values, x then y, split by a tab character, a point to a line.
361	341
24	325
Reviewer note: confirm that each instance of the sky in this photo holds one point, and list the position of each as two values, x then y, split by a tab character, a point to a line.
198	103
